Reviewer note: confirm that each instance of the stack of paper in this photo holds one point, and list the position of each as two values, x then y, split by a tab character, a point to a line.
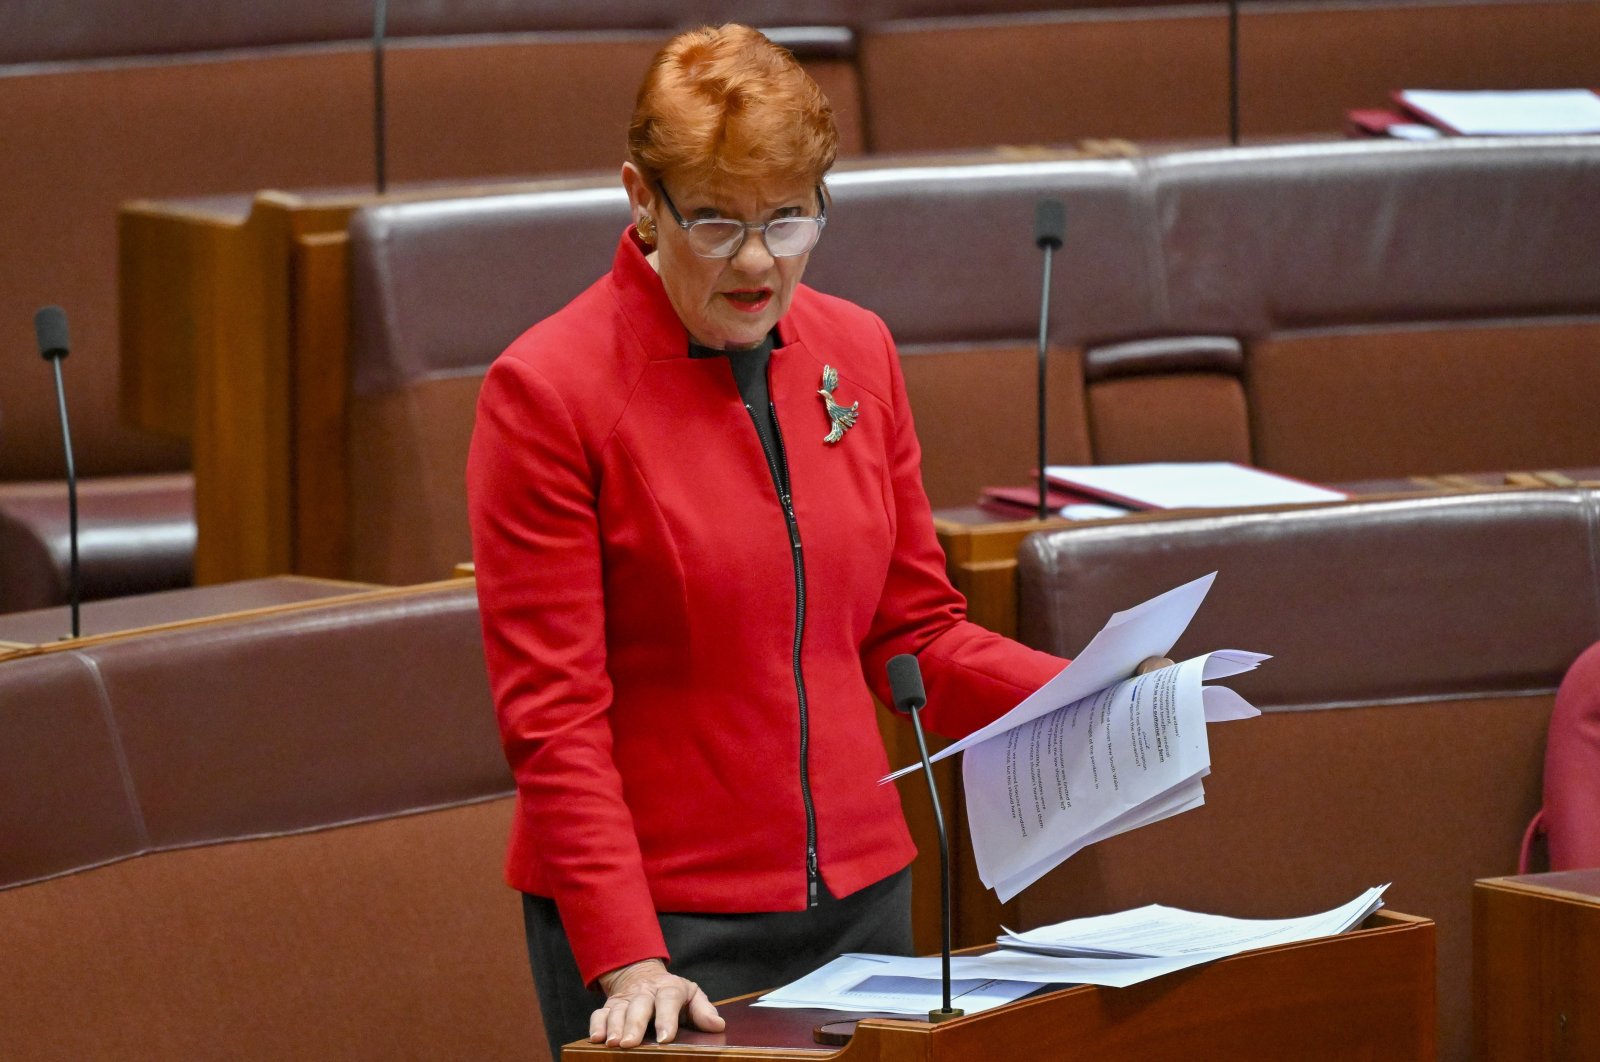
877	984
1156	931
1110	950
1094	752
1187	485
1524	112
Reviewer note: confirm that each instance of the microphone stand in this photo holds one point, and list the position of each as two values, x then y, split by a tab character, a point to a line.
1049	226
1233	72
947	1012
50	325
905	683
380	18
72	499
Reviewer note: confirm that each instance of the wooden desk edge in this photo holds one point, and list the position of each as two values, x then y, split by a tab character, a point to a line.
1527	888
1383	922
12	650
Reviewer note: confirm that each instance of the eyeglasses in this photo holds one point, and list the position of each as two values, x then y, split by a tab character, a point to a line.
722	237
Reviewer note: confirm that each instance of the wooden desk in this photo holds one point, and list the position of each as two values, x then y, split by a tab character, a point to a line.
1536	966
46	629
1366	994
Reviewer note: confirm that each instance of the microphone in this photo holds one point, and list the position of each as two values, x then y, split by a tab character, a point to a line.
380	147
50	328
905	686
1049	231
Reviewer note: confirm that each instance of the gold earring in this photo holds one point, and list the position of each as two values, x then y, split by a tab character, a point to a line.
646	228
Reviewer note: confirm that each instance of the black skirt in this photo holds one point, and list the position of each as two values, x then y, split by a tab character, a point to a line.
725	954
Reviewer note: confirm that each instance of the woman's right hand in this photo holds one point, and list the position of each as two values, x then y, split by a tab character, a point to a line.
644	990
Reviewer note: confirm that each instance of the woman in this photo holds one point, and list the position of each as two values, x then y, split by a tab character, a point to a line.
700	534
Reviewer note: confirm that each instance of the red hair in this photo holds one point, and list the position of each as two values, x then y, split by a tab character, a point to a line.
726	105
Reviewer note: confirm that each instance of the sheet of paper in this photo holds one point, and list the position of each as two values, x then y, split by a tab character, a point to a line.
1190	485
1189	938
1156	931
1123	757
1527	112
876	984
1184	798
889	984
1010	965
1414	131
1090	511
1128	639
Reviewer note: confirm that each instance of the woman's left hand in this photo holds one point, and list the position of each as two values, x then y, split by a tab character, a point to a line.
635	994
1153	663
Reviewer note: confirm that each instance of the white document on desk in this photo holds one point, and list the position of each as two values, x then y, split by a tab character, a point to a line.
1189	485
1123	949
1123	757
1524	112
1156	931
862	983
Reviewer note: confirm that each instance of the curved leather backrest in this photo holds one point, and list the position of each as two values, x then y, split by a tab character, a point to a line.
1360	603
67	804
944	253
40	31
1262	239
292	720
440	288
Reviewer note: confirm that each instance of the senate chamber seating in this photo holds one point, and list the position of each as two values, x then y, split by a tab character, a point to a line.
1417	645
1339	311
273	835
101	110
281	834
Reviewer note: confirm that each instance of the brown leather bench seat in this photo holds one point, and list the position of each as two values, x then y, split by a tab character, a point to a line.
1402	310
136	535
439	288
279	96
1417	645
1348	311
273	836
250	97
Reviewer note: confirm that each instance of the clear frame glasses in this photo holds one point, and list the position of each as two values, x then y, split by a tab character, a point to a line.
785	237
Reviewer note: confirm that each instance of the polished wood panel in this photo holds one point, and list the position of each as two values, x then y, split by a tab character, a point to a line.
981	558
320	348
1535	958
1366	994
204	295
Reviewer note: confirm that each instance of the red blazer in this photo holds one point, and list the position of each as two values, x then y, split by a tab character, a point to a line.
637	585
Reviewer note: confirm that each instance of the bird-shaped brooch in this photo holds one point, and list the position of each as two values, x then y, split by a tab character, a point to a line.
840	418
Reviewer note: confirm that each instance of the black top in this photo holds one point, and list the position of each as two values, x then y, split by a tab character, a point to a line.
750	373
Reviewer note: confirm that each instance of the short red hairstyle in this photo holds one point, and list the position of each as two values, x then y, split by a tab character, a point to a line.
725	105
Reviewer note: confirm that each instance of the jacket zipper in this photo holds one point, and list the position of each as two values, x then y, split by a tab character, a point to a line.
778	465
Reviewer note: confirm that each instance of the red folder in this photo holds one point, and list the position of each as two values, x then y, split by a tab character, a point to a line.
1024	501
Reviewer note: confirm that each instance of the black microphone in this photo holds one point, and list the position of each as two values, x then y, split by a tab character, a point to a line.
905	685
1049	230
380	147
50	328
